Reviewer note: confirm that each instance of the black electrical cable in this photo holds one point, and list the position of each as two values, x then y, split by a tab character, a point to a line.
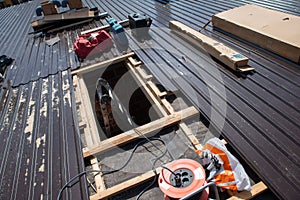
169	170
154	170
68	184
162	174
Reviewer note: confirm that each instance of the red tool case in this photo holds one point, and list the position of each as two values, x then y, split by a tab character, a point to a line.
92	43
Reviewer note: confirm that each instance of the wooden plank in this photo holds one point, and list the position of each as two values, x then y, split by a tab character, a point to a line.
90	133
264	27
226	55
141	72
134	62
189	134
76	14
125	185
257	189
146	129
103	64
86	112
100	185
192	138
124	23
83	121
133	71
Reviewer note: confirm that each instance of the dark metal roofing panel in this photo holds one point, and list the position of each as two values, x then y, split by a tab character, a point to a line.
40	145
40	148
33	58
261	109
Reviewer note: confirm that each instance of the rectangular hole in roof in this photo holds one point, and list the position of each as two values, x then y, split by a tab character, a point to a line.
117	103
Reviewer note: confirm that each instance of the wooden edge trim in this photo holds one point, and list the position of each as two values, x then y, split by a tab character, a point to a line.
257	189
125	185
223	53
134	62
135	71
105	63
87	115
77	14
245	68
100	185
146	129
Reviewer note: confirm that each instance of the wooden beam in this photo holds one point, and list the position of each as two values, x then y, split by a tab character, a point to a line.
257	189
124	23
105	63
134	62
86	112
100	185
226	55
146	129
191	137
151	97
189	134
76	14
125	185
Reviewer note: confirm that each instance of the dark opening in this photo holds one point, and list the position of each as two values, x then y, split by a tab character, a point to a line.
137	113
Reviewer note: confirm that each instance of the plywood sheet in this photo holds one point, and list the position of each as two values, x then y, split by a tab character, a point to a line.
273	30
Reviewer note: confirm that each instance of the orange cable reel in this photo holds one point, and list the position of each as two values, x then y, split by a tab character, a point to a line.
188	175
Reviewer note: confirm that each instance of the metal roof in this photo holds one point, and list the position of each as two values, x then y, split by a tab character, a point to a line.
40	147
261	109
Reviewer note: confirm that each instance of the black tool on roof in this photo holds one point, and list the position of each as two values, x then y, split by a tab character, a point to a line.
140	24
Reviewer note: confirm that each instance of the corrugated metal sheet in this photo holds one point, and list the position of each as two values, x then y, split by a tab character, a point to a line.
40	148
261	109
40	145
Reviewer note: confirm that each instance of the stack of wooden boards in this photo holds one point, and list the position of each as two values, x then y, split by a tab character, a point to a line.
275	31
53	19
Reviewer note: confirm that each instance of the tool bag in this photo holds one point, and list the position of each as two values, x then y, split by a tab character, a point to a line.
92	43
225	170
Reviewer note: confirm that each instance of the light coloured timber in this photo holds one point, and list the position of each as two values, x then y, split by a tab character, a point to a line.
87	114
146	129
192	138
89	124
256	189
76	14
100	185
134	62
150	96
189	134
83	122
105	63
125	185
223	53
